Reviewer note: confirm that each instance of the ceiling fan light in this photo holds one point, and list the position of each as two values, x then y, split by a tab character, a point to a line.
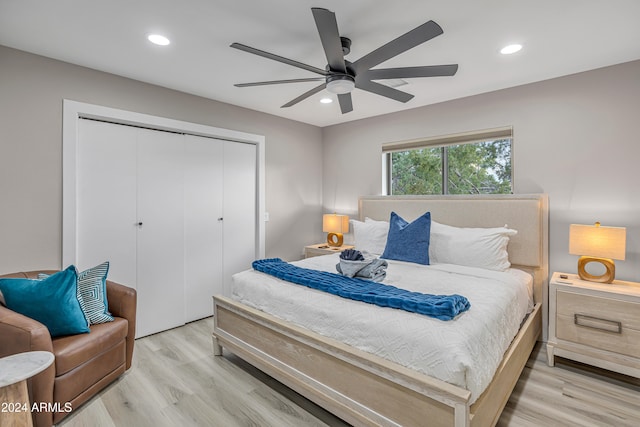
341	86
326	100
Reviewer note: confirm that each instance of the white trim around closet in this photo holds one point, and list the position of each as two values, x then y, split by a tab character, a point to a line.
73	111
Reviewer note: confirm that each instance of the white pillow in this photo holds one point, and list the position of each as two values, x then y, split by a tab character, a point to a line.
375	221
472	247
370	236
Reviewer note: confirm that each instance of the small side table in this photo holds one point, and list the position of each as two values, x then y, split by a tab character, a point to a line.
323	249
15	370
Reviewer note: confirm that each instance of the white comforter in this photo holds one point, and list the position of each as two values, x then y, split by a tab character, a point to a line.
465	351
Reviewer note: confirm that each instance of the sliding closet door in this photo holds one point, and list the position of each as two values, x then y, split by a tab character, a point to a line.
160	248
174	214
203	185
239	209
106	199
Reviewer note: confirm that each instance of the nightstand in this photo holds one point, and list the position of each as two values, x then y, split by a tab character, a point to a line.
595	323
323	249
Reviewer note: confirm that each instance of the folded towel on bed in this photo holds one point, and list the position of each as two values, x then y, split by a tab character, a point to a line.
443	307
376	270
362	264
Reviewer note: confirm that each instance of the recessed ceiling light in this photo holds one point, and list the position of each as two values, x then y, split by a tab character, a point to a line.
512	48
326	100
158	39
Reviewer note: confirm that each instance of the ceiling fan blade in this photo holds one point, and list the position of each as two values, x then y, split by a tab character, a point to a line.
304	95
330	37
383	90
278	58
409	40
346	106
277	82
410	72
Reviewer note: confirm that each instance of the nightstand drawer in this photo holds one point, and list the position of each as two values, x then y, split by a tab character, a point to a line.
311	252
604	323
323	249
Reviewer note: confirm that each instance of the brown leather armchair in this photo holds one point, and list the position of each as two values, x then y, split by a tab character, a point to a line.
84	363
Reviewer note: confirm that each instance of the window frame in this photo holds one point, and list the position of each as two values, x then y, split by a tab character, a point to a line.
443	142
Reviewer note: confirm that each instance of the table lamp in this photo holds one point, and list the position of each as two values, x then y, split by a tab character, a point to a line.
595	243
335	225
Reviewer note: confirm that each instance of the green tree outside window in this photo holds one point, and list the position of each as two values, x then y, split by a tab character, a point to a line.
473	168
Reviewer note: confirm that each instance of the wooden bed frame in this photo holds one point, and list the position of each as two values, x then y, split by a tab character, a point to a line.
364	389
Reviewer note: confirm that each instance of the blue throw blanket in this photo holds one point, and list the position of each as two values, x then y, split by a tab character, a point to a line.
443	307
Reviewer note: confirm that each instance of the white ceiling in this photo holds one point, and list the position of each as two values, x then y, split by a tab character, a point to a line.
560	37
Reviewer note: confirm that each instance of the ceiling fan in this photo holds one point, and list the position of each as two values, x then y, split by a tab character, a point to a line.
341	76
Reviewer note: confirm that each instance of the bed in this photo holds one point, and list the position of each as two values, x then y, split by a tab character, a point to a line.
366	389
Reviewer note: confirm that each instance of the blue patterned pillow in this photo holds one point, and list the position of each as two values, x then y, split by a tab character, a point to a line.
408	241
92	293
89	279
52	301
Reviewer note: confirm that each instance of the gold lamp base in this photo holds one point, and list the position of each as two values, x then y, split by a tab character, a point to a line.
335	239
608	275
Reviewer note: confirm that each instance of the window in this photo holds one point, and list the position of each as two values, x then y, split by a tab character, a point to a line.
470	163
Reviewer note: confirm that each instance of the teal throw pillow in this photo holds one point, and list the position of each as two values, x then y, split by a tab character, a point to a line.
52	301
92	293
408	241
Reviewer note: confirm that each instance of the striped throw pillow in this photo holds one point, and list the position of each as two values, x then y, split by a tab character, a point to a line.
92	293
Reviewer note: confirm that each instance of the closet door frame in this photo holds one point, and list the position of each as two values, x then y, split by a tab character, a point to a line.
73	111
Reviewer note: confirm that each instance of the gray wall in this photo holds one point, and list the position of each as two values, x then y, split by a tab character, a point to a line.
31	92
575	138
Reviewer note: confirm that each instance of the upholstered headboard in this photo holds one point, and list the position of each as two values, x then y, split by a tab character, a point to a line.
527	213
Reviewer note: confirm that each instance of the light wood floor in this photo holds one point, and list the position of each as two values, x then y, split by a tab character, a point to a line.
176	381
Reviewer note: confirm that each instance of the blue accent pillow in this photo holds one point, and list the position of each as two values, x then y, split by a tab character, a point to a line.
408	241
92	293
52	301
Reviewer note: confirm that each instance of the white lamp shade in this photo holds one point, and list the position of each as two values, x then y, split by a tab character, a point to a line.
597	241
332	223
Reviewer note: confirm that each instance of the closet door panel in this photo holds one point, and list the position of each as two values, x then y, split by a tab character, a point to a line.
106	199
160	248
203	226
239	236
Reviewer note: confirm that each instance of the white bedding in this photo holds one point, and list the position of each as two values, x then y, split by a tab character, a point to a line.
465	351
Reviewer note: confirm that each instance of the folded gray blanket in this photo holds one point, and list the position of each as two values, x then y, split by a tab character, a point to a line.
370	268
